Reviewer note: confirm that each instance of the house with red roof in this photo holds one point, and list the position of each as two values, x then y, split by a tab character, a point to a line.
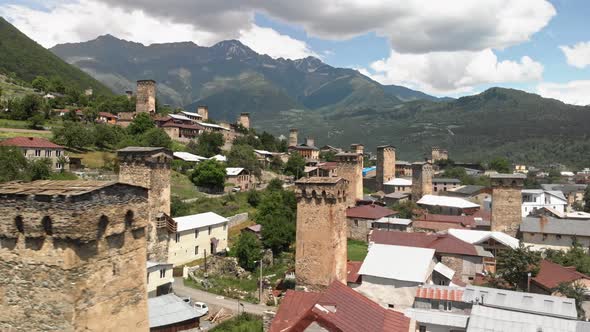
353	278
106	117
551	275
430	222
338	309
462	257
35	148
360	219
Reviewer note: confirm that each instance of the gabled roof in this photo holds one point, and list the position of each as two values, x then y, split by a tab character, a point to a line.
170	309
478	237
198	220
338	308
186	156
446	293
233	171
30	142
442	243
551	275
398	182
412	264
370	211
219	157
456	202
467	190
449	180
489	319
352	273
549	225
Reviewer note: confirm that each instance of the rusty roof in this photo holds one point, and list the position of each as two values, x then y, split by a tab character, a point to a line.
551	275
319	180
369	211
442	243
440	293
30	142
352	273
53	187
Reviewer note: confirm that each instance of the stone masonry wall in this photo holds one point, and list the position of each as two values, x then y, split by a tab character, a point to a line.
422	174
350	168
506	209
146	97
237	219
385	166
359	230
321	234
75	264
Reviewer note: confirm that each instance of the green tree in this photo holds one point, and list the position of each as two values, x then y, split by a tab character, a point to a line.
40	83
244	156
74	135
500	165
405	209
576	291
209	144
141	124
254	197
37	121
178	208
39	169
108	136
277	164
275	185
156	137
587	199
27	107
277	215
13	164
575	256
328	156
514	265
295	165
209	174
248	251
1	93
57	85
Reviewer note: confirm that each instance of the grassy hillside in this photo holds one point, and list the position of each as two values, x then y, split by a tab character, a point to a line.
27	59
12	89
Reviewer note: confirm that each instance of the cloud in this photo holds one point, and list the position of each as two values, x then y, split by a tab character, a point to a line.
574	92
276	45
412	26
577	55
451	72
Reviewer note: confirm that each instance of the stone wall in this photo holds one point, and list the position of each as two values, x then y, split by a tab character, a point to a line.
506	204
358	229
350	168
385	165
146	97
74	263
293	139
422	173
238	219
321	254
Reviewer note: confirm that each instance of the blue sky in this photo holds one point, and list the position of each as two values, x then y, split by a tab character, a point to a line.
453	47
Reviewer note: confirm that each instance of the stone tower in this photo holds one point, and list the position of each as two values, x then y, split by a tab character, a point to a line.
439	154
309	141
385	165
73	256
150	168
146	97
357	148
321	253
350	168
422	174
507	202
203	111
293	139
245	120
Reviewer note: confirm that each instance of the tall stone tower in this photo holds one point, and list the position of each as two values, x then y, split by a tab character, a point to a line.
203	111
293	139
385	165
350	168
310	141
507	202
357	148
422	174
146	97
439	154
150	168
73	256
245	120
321	255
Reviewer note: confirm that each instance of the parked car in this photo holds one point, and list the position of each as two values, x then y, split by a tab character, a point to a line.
201	307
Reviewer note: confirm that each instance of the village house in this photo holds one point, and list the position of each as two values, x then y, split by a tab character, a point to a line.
448	205
440	222
551	233
106	117
197	236
239	178
188	157
464	258
311	154
439	309
473	193
535	199
353	278
169	313
255	229
551	275
398	185
336	309
360	219
159	278
444	184
179	127
403	168
574	193
35	148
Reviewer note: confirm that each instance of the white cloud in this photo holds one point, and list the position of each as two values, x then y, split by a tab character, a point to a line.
276	45
574	92
577	55
451	72
416	26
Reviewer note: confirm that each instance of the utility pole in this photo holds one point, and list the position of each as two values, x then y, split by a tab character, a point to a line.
260	288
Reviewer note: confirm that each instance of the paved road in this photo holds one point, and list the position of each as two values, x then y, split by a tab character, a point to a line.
216	300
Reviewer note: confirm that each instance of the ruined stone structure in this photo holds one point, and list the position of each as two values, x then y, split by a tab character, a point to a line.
73	256
150	168
309	141
385	166
321	255
244	120
422	173
350	168
293	139
507	202
439	154
357	148
146	97
203	111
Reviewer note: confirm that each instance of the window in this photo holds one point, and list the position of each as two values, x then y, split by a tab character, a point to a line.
196	250
422	328
224	227
177	237
544	237
558	236
148	277
435	188
448	306
196	233
434	304
37	153
356	222
390	306
58	165
58	153
162	273
47	153
209	230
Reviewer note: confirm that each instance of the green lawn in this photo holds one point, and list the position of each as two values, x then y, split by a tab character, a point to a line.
11	134
226	205
95	159
242	323
182	187
21	124
357	250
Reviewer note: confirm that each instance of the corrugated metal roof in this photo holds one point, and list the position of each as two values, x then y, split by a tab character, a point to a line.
219	157
437	317
433	292
188	156
198	220
478	237
398	262
444	270
487	319
232	171
398	182
449	201
170	309
549	225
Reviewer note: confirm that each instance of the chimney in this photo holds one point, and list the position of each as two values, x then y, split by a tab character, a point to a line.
203	111
310	141
244	120
293	137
